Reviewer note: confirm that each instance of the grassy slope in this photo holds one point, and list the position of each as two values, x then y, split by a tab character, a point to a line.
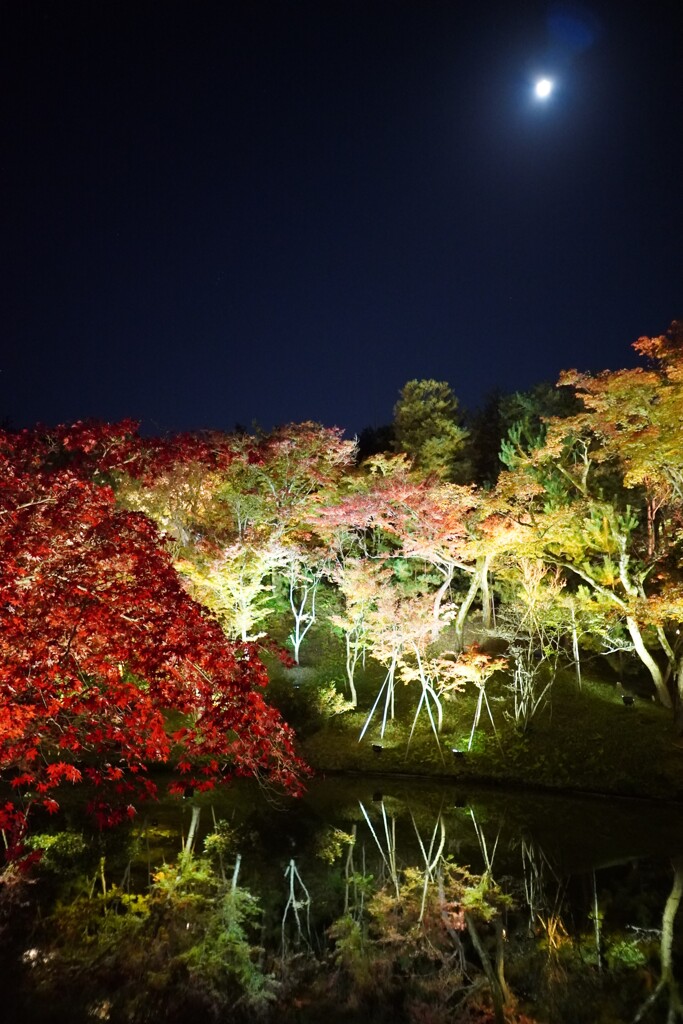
584	740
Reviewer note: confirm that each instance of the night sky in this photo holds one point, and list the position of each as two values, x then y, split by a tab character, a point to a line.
218	213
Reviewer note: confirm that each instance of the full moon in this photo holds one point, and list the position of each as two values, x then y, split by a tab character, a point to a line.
543	88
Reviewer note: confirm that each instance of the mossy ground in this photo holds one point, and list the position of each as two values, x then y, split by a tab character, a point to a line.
582	739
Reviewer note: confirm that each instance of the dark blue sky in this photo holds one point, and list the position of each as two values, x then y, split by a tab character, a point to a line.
222	212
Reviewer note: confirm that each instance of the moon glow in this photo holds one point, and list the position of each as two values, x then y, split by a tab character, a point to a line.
543	88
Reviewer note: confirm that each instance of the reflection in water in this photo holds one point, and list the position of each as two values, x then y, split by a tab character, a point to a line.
414	906
667	982
298	898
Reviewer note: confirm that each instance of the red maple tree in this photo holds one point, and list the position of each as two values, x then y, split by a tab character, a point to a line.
101	648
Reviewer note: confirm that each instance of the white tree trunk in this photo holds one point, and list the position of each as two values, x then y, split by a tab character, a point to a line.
649	662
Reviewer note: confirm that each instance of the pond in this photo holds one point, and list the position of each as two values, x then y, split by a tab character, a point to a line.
370	899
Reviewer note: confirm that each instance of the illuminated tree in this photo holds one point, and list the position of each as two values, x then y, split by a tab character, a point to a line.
175	480
291	473
235	582
473	666
303	572
603	488
432	525
399	631
249	523
427	427
99	641
636	415
535	620
438	525
360	582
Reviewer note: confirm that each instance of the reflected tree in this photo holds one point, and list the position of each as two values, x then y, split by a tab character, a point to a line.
667	986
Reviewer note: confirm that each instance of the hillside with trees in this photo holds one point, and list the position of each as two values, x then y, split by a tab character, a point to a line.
149	586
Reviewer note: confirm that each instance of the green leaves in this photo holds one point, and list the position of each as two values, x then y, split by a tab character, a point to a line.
427	427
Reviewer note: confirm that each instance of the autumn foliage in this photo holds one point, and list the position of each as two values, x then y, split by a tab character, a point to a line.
107	665
138	576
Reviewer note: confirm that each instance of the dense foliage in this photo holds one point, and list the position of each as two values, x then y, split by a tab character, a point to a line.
107	664
140	576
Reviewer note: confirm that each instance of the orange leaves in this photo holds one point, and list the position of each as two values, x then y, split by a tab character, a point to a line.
427	520
14	717
666	349
633	416
472	666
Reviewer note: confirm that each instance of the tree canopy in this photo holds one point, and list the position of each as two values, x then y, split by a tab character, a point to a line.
140	577
427	427
107	665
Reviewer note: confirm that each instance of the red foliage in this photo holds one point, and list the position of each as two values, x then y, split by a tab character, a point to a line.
99	642
431	520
